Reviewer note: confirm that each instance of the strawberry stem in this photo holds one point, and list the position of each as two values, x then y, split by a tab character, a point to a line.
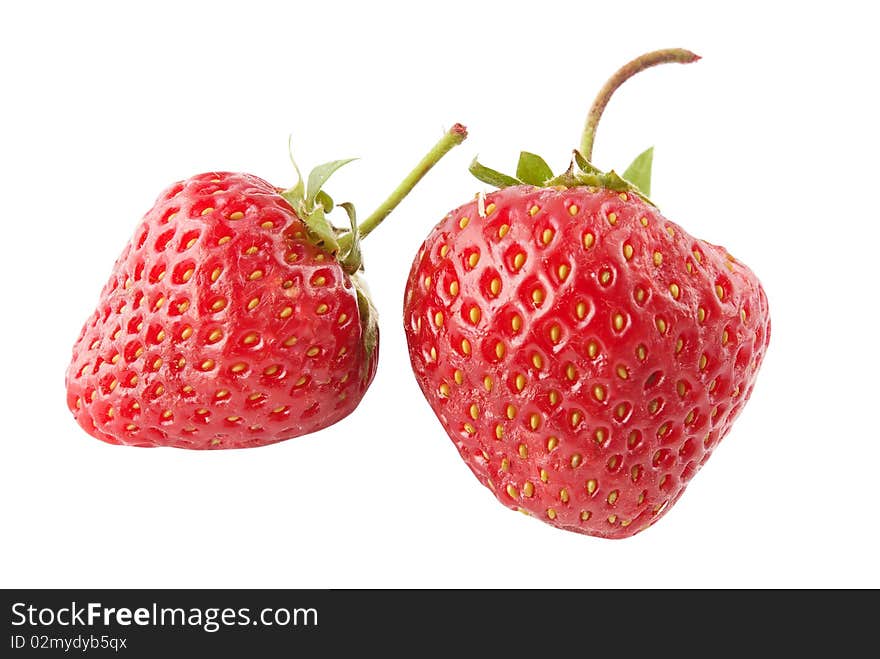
453	137
646	61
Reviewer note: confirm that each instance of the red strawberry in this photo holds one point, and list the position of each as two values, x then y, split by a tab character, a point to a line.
235	317
585	354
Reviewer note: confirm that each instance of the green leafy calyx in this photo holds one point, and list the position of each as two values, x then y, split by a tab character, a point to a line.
534	170
312	204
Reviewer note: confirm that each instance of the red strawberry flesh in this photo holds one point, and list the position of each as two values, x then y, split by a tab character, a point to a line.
221	326
585	354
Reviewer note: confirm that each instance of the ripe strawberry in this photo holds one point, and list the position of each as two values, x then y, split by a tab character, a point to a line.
235	317
584	353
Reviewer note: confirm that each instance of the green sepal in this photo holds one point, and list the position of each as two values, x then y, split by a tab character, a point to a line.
321	231
369	318
639	171
325	201
583	164
533	169
351	261
492	177
318	177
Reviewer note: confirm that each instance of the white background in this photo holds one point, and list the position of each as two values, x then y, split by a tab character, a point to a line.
767	146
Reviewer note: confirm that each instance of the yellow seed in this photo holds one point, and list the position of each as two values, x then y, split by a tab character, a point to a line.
322	309
502	230
537	296
518	261
239	367
701	314
570	372
719	291
562	272
703	361
469	429
453	288
215	336
463	222
495	286
523	451
427	282
592	486
619	321
224	240
661	325
473	259
115	358
674	289
290	340
627	251
545	477
342	318
237	215
474	315
160	336
534	421
438	319
621	411
218	304
670	231
600	435
698	256
474	411
207	210
271	370
589	239
612	218
551	513
444	251
534	210
612	519
641	353
458	376
487	383
599	392
528	489
161	301
286	312
644	221
592	349
444	390
511	492
573	209
563	495
215	274
207	365
553	397
725	337
581	310
291	257
681	387
658	258
689	266
585	515
466	346
653	406
576	417
511	412
490	209
500	350
622	373
516	322
520	382
537	361
320	280
662	430
302	380
575	460
555	333
499	431
505	464
547	236
313	351
268	224
256	274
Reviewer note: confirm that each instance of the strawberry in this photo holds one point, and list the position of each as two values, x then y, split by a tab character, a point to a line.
235	317
585	354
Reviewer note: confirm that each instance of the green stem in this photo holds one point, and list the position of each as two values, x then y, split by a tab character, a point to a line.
646	61
453	137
